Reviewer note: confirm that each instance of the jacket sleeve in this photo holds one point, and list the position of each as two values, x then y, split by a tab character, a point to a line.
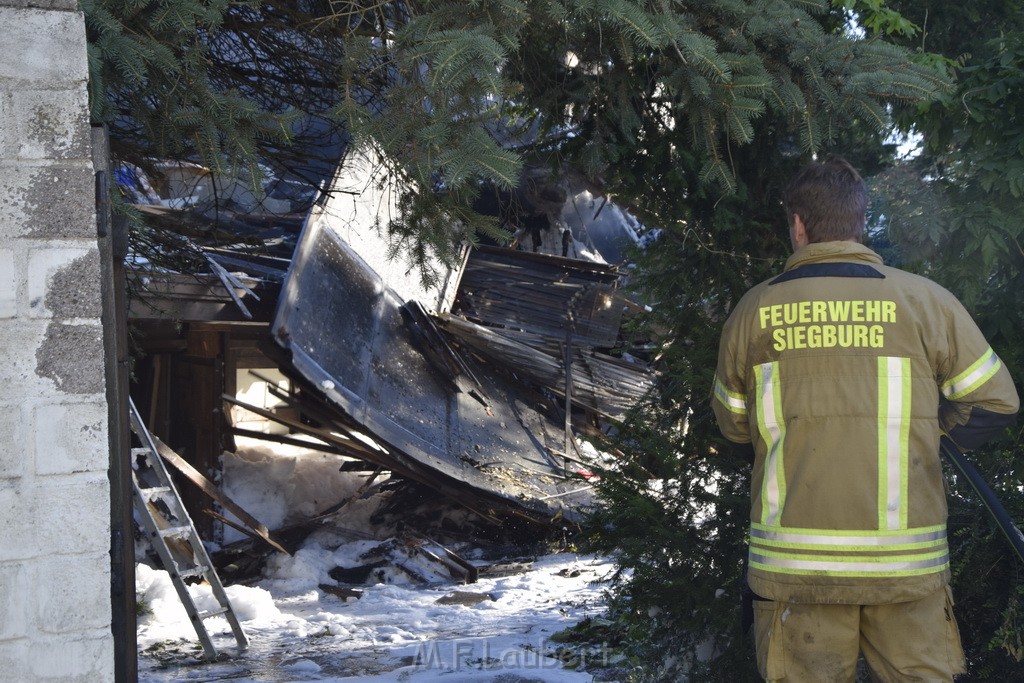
729	400
979	399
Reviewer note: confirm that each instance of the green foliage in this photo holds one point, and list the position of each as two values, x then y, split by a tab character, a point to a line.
150	82
677	521
599	87
424	92
677	504
677	507
879	18
970	233
705	77
453	94
988	579
955	213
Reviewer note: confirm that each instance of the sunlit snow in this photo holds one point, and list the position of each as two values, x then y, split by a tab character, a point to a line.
395	631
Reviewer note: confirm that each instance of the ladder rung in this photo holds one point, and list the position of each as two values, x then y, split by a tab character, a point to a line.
212	613
176	532
153	492
192	571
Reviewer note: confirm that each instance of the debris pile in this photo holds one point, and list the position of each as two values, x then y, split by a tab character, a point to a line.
466	393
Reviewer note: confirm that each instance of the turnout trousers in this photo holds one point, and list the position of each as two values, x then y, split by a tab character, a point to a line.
815	643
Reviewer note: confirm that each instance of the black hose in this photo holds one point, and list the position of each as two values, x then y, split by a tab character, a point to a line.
988	498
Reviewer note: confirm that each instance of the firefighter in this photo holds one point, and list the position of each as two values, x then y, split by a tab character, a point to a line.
841	374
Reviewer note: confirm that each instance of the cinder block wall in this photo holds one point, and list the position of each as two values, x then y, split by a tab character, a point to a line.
55	608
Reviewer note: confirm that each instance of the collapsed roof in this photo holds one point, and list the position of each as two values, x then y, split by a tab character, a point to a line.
427	380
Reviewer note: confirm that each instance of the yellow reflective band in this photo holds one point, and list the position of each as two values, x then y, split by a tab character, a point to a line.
765	530
826	560
849	553
736	403
894	387
973	377
772	428
850	565
827	539
853	574
853	547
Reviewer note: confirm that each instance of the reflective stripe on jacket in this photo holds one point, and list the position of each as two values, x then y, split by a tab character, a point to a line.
843	373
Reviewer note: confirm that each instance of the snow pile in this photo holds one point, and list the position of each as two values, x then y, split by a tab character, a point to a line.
163	616
390	631
281	484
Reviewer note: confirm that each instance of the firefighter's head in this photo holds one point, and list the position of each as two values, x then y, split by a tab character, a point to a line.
826	201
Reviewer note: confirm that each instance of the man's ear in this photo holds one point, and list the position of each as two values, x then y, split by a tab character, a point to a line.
797	232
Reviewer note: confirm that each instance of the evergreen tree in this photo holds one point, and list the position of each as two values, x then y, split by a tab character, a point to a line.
633	95
235	87
154	82
954	213
452	93
678	507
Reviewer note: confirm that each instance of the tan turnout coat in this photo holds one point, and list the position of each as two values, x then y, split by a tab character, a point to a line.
843	373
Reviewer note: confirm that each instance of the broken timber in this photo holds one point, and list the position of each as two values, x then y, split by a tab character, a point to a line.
482	440
548	318
602	383
253	527
533	292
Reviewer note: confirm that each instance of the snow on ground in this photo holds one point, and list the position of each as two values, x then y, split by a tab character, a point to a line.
391	633
395	632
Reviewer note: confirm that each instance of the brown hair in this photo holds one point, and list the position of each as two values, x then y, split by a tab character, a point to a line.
831	199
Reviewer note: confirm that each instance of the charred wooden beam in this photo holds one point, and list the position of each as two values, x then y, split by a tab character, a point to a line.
439	353
287	440
600	382
254	526
508	288
352	448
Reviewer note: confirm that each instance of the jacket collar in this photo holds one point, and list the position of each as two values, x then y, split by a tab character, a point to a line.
832	251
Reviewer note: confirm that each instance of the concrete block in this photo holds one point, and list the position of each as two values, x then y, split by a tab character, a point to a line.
87	659
76	595
83	528
42	46
10	277
14	592
8	136
19	542
67	5
42	520
72	356
40	357
52	124
63	283
47	202
19	339
75	290
71	438
14	660
12	451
